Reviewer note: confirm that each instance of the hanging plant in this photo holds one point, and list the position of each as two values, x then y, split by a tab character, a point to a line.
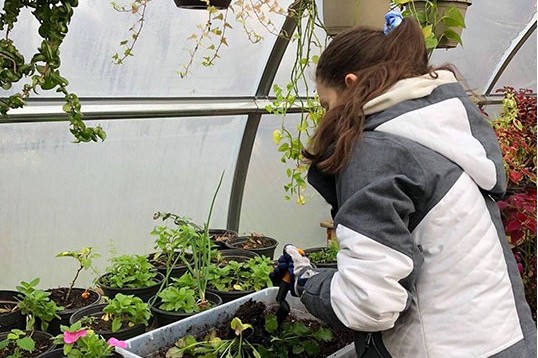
42	71
310	38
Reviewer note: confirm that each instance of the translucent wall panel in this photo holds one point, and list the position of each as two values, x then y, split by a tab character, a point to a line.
96	31
521	72
264	208
491	27
59	196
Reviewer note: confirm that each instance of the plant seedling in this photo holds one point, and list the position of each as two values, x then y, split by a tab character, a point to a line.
84	258
20	342
36	303
79	342
213	346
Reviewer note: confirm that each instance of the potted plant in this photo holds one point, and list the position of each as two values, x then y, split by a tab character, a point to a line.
220	236
36	305
324	257
181	300
342	15
78	341
10	313
187	295
72	298
236	279
21	344
121	317
172	245
442	21
516	130
130	275
41	71
258	243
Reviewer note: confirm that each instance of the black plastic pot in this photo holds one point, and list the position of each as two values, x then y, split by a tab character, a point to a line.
97	311
13	319
240	241
238	255
54	324
228	296
321	264
220	236
36	335
201	5
177	271
59	353
144	293
162	317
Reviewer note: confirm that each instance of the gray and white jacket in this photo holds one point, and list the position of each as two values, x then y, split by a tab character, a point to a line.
423	256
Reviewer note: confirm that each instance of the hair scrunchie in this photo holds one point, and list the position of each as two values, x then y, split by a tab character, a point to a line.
393	19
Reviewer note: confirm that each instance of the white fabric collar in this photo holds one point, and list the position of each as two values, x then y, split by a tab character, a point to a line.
409	88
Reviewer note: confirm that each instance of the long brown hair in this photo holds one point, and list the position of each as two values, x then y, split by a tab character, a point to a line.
379	61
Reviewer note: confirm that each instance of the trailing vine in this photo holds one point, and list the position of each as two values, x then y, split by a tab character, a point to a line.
43	69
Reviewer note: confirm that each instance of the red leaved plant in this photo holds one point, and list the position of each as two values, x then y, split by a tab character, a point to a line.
516	131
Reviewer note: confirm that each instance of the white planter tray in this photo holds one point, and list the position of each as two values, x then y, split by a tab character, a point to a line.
147	343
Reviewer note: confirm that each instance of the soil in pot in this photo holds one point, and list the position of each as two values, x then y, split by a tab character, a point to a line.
262	245
10	315
254	312
43	343
163	317
145	293
92	317
220	236
79	298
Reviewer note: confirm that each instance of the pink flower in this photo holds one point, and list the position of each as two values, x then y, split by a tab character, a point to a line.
117	343
72	337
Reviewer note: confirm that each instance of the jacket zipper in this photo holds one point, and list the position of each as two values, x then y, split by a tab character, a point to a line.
371	341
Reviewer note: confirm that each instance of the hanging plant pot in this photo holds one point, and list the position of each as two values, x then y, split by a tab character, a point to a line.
162	317
441	29
340	15
10	314
202	5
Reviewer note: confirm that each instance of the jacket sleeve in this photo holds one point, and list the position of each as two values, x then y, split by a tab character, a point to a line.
378	261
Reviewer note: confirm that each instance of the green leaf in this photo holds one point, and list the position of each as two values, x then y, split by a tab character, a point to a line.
452	35
453	18
26	343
